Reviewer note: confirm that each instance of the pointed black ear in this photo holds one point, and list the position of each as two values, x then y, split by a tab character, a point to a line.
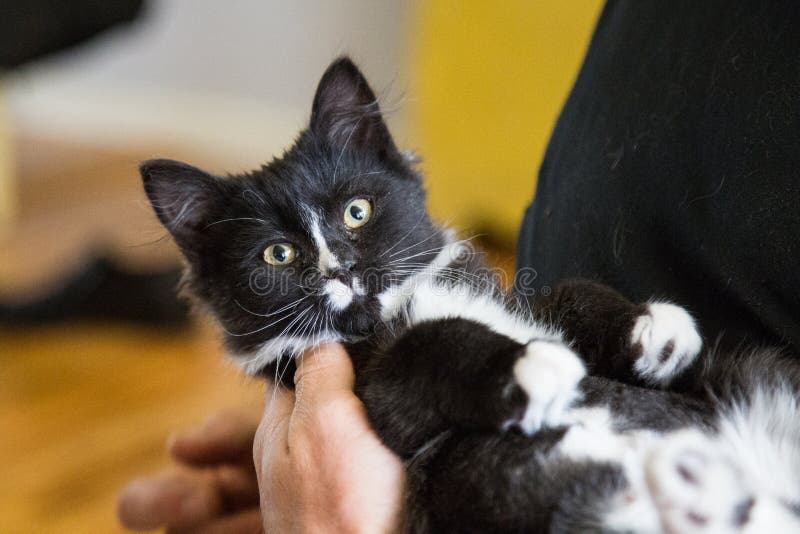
185	199
346	111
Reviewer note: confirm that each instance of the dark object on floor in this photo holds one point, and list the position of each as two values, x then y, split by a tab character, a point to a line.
103	291
32	28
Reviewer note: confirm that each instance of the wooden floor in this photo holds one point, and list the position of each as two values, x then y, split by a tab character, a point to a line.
85	407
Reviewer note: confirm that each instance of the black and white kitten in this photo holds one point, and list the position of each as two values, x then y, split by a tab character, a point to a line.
578	412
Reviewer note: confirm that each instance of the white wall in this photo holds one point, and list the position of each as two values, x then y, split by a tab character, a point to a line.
235	77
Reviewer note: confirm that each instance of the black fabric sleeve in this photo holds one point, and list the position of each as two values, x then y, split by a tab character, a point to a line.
674	168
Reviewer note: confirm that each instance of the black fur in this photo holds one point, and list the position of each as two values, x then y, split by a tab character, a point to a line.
442	393
223	225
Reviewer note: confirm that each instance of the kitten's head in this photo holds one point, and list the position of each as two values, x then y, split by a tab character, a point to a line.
302	250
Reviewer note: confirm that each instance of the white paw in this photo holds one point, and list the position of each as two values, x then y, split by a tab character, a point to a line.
549	373
668	341
694	488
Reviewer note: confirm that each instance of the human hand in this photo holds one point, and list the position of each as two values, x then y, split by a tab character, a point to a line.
320	466
213	487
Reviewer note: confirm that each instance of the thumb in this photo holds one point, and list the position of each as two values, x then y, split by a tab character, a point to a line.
323	373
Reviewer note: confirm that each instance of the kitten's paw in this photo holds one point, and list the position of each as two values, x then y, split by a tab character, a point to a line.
665	341
548	372
694	488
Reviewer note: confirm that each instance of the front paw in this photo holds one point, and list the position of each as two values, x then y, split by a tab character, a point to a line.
548	372
664	342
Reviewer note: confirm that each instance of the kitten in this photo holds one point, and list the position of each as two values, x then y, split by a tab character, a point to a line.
578	411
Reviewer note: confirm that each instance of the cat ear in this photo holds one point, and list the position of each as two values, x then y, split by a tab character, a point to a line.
184	198
346	111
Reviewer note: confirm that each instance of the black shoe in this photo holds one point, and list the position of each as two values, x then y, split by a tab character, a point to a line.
103	291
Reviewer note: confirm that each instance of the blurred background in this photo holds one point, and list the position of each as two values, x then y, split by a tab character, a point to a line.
99	361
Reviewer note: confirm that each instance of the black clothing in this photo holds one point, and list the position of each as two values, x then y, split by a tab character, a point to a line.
30	29
673	168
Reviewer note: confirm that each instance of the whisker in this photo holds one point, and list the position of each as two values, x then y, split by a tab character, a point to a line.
236	219
434	249
423	253
277	390
258	196
294	322
402	238
161	239
344	147
302	331
414	245
267	326
426	251
290	305
370	173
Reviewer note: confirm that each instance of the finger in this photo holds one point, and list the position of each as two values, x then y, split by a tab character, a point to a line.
177	498
271	436
237	487
323	372
278	407
278	402
225	437
184	498
245	522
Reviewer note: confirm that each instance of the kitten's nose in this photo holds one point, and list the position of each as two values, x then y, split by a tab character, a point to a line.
342	274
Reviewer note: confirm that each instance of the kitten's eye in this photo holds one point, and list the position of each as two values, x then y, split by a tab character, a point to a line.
357	213
280	254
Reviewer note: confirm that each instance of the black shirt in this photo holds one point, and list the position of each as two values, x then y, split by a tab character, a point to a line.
673	170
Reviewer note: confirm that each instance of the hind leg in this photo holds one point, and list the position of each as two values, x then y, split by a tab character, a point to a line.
695	488
771	516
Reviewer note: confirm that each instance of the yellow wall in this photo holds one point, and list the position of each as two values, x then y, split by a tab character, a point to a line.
488	79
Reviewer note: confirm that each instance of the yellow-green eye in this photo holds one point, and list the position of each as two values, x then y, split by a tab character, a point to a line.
280	254
357	213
